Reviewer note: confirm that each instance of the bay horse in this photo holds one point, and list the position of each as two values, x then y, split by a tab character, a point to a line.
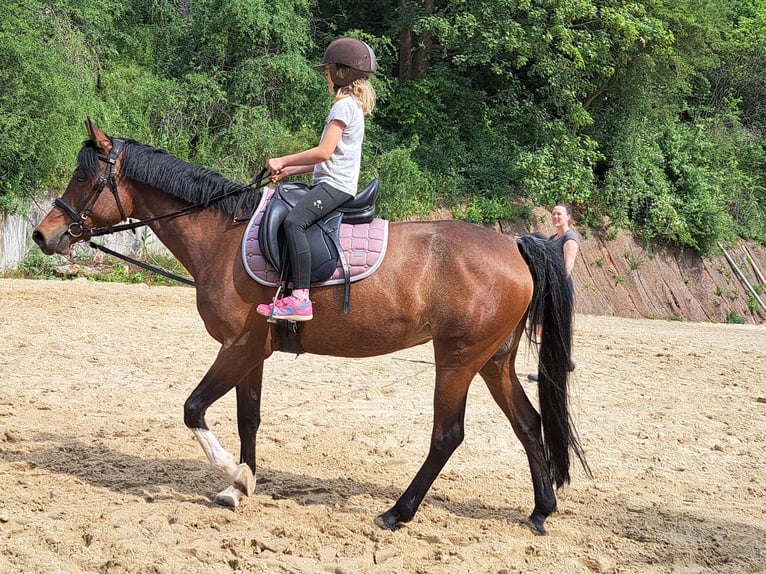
470	290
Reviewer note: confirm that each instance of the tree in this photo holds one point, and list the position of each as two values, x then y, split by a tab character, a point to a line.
47	77
415	40
646	114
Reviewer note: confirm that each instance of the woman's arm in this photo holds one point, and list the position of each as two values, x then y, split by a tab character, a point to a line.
570	254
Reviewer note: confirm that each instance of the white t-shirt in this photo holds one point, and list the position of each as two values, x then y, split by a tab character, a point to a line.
341	170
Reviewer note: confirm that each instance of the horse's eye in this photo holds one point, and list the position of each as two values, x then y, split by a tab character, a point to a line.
80	177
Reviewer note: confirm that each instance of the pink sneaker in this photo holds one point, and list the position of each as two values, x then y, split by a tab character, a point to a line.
267	309
291	309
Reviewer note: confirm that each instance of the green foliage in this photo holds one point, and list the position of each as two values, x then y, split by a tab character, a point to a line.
648	116
480	210
634	261
256	50
618	279
254	137
698	169
735	319
425	111
405	188
679	186
47	78
560	171
136	103
36	265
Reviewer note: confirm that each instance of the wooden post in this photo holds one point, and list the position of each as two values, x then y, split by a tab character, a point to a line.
742	278
751	260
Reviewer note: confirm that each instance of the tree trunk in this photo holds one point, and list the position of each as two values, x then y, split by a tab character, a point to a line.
186	9
415	49
405	50
424	45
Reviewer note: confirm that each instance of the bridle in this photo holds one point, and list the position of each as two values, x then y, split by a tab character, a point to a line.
78	230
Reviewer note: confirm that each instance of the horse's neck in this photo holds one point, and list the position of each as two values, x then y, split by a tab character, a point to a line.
199	240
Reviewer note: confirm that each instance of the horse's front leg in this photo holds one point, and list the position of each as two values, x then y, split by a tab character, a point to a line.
229	369
249	414
248	421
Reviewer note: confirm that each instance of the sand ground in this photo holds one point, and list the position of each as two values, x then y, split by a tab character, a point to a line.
99	474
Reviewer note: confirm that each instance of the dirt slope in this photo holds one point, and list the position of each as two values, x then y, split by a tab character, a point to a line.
620	277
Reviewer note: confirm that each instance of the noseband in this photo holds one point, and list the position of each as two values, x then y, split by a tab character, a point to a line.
77	228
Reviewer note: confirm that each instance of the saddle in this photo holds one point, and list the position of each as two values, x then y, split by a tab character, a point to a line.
323	236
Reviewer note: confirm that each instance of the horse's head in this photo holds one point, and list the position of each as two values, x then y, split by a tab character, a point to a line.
93	197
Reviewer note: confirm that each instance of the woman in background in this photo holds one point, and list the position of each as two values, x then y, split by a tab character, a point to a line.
569	243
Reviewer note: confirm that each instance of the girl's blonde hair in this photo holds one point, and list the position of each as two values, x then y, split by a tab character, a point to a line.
362	90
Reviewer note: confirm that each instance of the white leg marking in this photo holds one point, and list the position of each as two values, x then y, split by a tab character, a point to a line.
239	475
216	454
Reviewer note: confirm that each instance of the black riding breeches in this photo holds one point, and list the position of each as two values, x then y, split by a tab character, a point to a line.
318	202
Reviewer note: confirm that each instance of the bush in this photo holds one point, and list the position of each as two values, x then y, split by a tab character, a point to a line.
405	189
36	265
734	318
47	77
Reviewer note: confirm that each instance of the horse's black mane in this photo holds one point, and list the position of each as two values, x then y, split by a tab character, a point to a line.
172	175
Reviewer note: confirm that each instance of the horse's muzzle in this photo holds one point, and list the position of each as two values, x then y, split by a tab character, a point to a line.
60	242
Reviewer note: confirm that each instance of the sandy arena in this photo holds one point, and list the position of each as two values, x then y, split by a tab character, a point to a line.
98	473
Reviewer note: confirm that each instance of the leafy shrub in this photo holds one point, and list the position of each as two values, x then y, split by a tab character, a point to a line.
36	265
47	78
405	188
735	318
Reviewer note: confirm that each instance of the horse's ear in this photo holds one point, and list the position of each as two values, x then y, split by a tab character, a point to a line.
90	127
103	143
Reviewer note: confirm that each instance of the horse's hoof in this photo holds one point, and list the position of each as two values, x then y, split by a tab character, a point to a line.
386	521
243	480
536	524
229	497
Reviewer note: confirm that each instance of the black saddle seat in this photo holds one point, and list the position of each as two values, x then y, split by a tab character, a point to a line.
358	209
324	235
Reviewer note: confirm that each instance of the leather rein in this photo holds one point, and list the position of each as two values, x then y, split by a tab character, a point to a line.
79	230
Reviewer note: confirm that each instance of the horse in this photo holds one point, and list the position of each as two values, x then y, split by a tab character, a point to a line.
471	291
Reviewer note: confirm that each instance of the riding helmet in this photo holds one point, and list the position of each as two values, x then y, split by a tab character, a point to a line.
348	59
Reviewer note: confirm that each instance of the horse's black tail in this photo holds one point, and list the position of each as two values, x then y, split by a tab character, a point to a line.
552	307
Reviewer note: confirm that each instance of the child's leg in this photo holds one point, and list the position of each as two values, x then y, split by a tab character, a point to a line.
317	203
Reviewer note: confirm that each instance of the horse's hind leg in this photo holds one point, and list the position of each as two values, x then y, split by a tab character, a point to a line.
448	432
500	376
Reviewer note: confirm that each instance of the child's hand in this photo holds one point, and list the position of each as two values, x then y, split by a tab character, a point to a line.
279	176
276	167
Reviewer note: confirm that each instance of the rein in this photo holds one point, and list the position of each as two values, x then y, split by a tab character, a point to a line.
147	266
77	229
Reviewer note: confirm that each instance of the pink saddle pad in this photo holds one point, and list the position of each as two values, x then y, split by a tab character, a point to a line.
364	245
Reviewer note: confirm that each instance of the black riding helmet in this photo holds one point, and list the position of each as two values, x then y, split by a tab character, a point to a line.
348	59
